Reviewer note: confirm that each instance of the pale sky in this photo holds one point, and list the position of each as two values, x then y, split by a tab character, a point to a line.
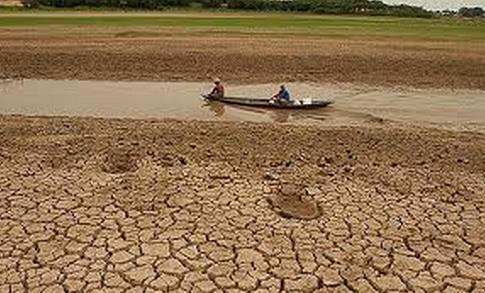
440	4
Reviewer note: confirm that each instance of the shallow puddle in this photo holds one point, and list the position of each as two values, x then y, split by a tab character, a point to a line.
353	105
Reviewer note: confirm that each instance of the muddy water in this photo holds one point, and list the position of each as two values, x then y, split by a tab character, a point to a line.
353	105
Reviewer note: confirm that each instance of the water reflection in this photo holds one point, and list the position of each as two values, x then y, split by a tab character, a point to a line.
280	115
7	85
180	100
276	115
215	107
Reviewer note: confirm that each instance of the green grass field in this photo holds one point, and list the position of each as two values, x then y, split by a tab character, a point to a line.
311	25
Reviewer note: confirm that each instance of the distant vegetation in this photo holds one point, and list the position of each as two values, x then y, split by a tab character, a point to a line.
264	24
471	12
361	7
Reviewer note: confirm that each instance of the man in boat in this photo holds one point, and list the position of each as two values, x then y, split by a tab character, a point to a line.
218	90
283	95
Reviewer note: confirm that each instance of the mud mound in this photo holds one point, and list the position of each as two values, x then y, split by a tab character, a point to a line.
289	203
136	34
120	161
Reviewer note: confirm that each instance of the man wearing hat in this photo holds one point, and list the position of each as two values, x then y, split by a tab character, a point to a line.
218	90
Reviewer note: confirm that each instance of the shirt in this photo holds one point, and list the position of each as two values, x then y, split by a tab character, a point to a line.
284	94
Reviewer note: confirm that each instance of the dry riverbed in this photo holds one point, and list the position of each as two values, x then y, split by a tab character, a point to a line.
124	205
162	205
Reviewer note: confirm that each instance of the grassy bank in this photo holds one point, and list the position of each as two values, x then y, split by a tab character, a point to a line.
246	22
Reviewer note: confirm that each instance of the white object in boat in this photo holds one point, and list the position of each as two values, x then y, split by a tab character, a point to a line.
307	101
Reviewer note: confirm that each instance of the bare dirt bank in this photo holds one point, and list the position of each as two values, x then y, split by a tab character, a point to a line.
171	205
132	55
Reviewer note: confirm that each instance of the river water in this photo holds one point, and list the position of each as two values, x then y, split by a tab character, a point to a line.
458	109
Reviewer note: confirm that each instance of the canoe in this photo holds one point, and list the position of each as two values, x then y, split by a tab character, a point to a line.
268	103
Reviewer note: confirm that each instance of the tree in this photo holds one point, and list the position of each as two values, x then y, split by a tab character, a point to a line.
471	12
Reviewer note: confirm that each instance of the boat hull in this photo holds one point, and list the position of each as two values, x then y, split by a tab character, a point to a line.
268	103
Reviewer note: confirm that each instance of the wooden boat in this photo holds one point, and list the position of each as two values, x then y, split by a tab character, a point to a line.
269	103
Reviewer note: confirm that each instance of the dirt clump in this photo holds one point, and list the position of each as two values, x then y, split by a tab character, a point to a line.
136	34
120	160
290	203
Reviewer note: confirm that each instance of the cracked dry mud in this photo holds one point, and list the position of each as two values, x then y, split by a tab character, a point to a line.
187	209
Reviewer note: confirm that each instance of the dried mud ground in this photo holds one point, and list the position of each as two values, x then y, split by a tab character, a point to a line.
176	54
105	205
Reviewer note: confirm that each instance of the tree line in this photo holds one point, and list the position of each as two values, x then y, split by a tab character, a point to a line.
362	7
